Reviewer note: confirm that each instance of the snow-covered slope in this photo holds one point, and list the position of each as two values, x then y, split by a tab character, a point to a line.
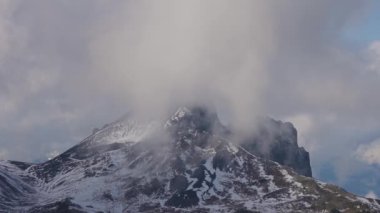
15	186
187	164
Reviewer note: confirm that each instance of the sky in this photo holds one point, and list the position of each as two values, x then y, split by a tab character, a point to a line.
67	67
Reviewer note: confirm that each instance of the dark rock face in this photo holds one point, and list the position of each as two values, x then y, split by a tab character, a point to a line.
277	141
183	199
63	206
272	140
179	183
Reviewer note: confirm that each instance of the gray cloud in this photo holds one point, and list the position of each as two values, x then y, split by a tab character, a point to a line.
171	53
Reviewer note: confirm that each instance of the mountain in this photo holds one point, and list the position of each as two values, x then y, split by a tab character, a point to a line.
189	163
277	141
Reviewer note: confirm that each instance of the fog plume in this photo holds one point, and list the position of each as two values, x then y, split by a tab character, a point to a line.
161	54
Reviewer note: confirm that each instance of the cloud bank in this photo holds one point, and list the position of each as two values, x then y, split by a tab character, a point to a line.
167	53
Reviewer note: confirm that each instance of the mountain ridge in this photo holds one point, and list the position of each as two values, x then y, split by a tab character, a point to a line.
185	164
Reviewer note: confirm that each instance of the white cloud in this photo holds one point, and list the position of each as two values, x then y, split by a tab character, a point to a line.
4	154
52	154
369	153
371	194
196	52
304	124
374	56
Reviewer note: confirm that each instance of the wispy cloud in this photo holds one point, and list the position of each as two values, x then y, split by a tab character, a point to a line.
369	153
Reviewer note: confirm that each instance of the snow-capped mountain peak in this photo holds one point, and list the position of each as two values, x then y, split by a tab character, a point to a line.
187	164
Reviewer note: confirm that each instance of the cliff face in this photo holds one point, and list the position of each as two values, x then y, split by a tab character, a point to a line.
277	141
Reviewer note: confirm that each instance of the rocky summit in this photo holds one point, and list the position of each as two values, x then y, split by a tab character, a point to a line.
189	163
277	141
